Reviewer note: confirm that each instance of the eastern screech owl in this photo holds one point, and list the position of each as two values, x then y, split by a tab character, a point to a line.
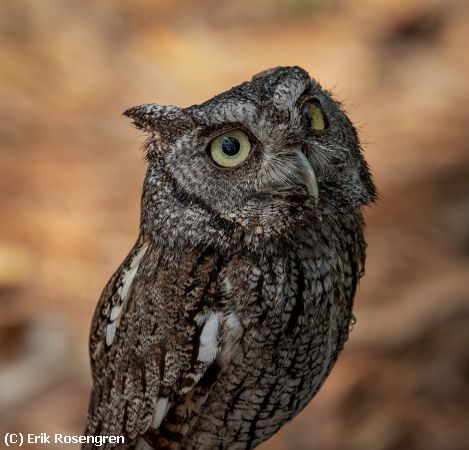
229	312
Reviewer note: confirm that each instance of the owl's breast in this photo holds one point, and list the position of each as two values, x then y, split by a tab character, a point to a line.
281	340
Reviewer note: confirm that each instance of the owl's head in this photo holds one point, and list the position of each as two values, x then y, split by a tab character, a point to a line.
271	154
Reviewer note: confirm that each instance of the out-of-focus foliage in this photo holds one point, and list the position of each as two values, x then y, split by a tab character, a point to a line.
71	174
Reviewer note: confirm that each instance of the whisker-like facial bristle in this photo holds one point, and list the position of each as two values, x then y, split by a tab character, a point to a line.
328	155
281	169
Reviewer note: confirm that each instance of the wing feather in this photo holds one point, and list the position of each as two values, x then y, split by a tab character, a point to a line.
154	334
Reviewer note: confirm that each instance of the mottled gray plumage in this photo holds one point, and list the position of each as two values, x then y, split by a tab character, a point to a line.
232	307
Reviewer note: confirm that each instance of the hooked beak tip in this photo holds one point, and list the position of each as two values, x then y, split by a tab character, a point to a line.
309	177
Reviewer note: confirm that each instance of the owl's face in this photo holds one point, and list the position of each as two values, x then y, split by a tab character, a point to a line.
268	152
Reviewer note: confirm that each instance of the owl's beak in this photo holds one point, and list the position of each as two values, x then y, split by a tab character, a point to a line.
309	177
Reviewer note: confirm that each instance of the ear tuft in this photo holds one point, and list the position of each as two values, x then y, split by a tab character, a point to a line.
146	117
265	73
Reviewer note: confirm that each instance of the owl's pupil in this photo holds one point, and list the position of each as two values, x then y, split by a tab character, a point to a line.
307	114
230	146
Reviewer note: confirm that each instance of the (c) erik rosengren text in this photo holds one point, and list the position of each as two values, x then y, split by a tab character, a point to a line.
18	439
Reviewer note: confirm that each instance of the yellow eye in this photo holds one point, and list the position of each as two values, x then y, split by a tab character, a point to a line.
314	114
230	149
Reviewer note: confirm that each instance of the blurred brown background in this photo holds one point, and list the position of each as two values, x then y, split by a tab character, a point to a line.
71	174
